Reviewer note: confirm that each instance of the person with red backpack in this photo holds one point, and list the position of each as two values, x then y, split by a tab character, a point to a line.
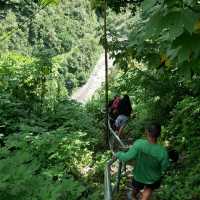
113	108
115	105
124	112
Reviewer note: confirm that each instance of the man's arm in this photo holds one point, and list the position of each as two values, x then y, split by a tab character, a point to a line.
130	154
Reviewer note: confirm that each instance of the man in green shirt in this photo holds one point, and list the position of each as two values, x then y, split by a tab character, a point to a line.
151	160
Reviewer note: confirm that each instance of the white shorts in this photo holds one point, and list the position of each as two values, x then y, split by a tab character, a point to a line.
121	121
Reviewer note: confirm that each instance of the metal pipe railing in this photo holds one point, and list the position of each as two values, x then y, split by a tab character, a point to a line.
107	181
118	178
109	190
113	133
115	140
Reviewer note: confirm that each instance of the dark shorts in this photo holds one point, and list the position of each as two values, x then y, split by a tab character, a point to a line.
140	186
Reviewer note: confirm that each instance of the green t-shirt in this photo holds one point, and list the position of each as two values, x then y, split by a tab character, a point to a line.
151	160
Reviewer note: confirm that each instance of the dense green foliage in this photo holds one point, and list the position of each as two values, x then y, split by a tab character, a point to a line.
48	148
51	147
159	61
50	155
48	144
35	82
66	31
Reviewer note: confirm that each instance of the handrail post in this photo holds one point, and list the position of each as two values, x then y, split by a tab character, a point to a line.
109	190
107	185
119	176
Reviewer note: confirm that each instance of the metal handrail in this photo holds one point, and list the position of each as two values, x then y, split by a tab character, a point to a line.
115	135
109	190
107	181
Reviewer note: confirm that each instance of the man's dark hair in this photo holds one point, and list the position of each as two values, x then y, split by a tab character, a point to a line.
154	129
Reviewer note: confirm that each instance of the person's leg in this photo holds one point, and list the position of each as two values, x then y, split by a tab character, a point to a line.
134	194
120	132
146	194
136	186
120	123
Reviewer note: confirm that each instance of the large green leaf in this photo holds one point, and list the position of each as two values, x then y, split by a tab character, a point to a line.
189	19
147	5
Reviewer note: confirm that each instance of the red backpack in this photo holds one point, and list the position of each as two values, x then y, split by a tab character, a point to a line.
115	104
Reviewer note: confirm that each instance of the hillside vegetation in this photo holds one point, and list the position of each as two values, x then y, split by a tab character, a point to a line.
53	148
64	35
158	66
49	144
